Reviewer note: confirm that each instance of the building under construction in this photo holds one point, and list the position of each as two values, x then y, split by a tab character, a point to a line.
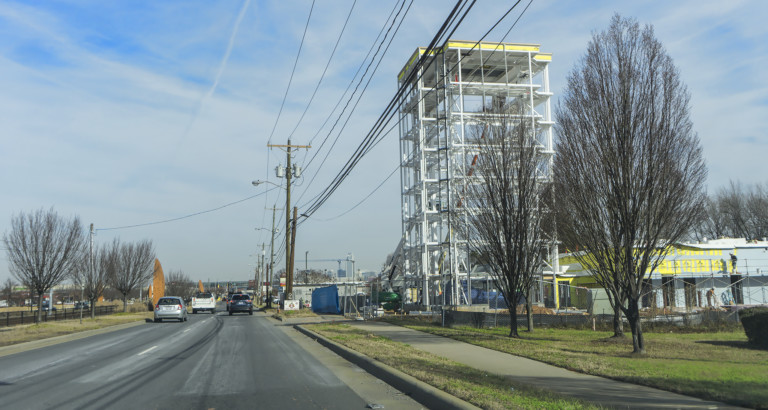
446	90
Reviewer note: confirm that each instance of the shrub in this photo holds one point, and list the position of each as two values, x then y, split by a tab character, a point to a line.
755	322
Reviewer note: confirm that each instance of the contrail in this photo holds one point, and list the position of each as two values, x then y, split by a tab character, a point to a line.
222	66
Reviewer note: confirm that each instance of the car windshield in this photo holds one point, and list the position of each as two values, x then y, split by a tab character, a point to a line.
168	301
204	295
240	297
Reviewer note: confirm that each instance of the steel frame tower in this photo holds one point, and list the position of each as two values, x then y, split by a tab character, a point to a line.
444	98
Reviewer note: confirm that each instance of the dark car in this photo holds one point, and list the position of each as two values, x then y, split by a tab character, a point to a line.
240	302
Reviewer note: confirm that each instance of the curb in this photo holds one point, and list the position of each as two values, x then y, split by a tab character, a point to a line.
423	393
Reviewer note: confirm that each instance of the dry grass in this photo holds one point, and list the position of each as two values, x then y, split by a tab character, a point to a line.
481	389
27	333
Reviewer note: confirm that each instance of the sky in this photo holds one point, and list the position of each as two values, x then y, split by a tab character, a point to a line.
150	119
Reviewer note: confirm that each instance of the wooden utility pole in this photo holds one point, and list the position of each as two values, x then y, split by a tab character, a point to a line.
271	259
289	171
289	277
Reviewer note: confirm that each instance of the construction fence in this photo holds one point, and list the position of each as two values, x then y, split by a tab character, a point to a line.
495	318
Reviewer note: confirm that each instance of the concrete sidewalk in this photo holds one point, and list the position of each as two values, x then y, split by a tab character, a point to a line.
598	390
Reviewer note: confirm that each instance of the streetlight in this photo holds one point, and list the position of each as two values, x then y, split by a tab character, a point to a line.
259	182
82	294
271	248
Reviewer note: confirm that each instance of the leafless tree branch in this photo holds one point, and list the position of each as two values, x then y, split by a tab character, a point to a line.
629	168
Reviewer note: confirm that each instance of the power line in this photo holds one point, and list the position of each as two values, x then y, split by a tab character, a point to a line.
352	95
290	80
322	76
185	216
349	116
362	200
375	135
388	113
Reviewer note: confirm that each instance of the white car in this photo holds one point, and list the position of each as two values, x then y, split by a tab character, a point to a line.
203	301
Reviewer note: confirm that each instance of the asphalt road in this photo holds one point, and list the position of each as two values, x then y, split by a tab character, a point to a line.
210	362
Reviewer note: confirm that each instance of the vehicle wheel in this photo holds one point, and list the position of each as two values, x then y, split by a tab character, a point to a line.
158	320
250	312
194	312
186	318
230	313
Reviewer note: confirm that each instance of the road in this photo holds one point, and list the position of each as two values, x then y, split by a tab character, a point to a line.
209	362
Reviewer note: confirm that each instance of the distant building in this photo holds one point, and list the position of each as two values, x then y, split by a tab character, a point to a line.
735	268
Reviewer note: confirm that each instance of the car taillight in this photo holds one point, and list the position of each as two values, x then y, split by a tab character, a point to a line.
157	306
180	307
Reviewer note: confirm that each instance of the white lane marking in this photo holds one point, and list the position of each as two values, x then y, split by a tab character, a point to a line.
147	351
188	329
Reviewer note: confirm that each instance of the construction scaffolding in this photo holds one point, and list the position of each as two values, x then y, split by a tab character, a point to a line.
444	99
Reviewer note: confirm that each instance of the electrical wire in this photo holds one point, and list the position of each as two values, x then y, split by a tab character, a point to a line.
185	216
290	80
389	106
325	70
352	95
349	116
362	200
388	113
369	143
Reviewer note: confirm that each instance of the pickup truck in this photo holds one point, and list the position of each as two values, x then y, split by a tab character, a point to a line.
203	301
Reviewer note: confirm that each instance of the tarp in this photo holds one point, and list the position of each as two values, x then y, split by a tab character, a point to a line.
326	300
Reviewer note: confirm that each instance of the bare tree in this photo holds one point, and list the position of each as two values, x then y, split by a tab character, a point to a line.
7	290
504	203
134	268
177	283
712	223
43	249
314	276
94	279
629	170
737	211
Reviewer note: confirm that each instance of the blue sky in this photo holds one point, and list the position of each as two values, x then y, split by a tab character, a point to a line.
128	113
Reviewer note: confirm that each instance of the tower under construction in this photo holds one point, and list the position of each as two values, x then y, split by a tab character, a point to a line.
445	95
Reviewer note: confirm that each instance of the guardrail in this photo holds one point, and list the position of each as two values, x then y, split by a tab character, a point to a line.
21	317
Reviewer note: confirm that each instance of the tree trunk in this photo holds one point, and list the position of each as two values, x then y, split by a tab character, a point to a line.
618	326
513	322
633	317
39	316
92	307
529	311
125	302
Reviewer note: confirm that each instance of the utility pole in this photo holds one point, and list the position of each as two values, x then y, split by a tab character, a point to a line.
271	259
289	172
90	269
262	272
289	283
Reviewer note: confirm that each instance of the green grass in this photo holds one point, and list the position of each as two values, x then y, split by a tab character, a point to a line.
715	366
484	390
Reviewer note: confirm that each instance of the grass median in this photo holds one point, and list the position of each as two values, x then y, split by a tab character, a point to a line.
714	366
484	390
27	333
